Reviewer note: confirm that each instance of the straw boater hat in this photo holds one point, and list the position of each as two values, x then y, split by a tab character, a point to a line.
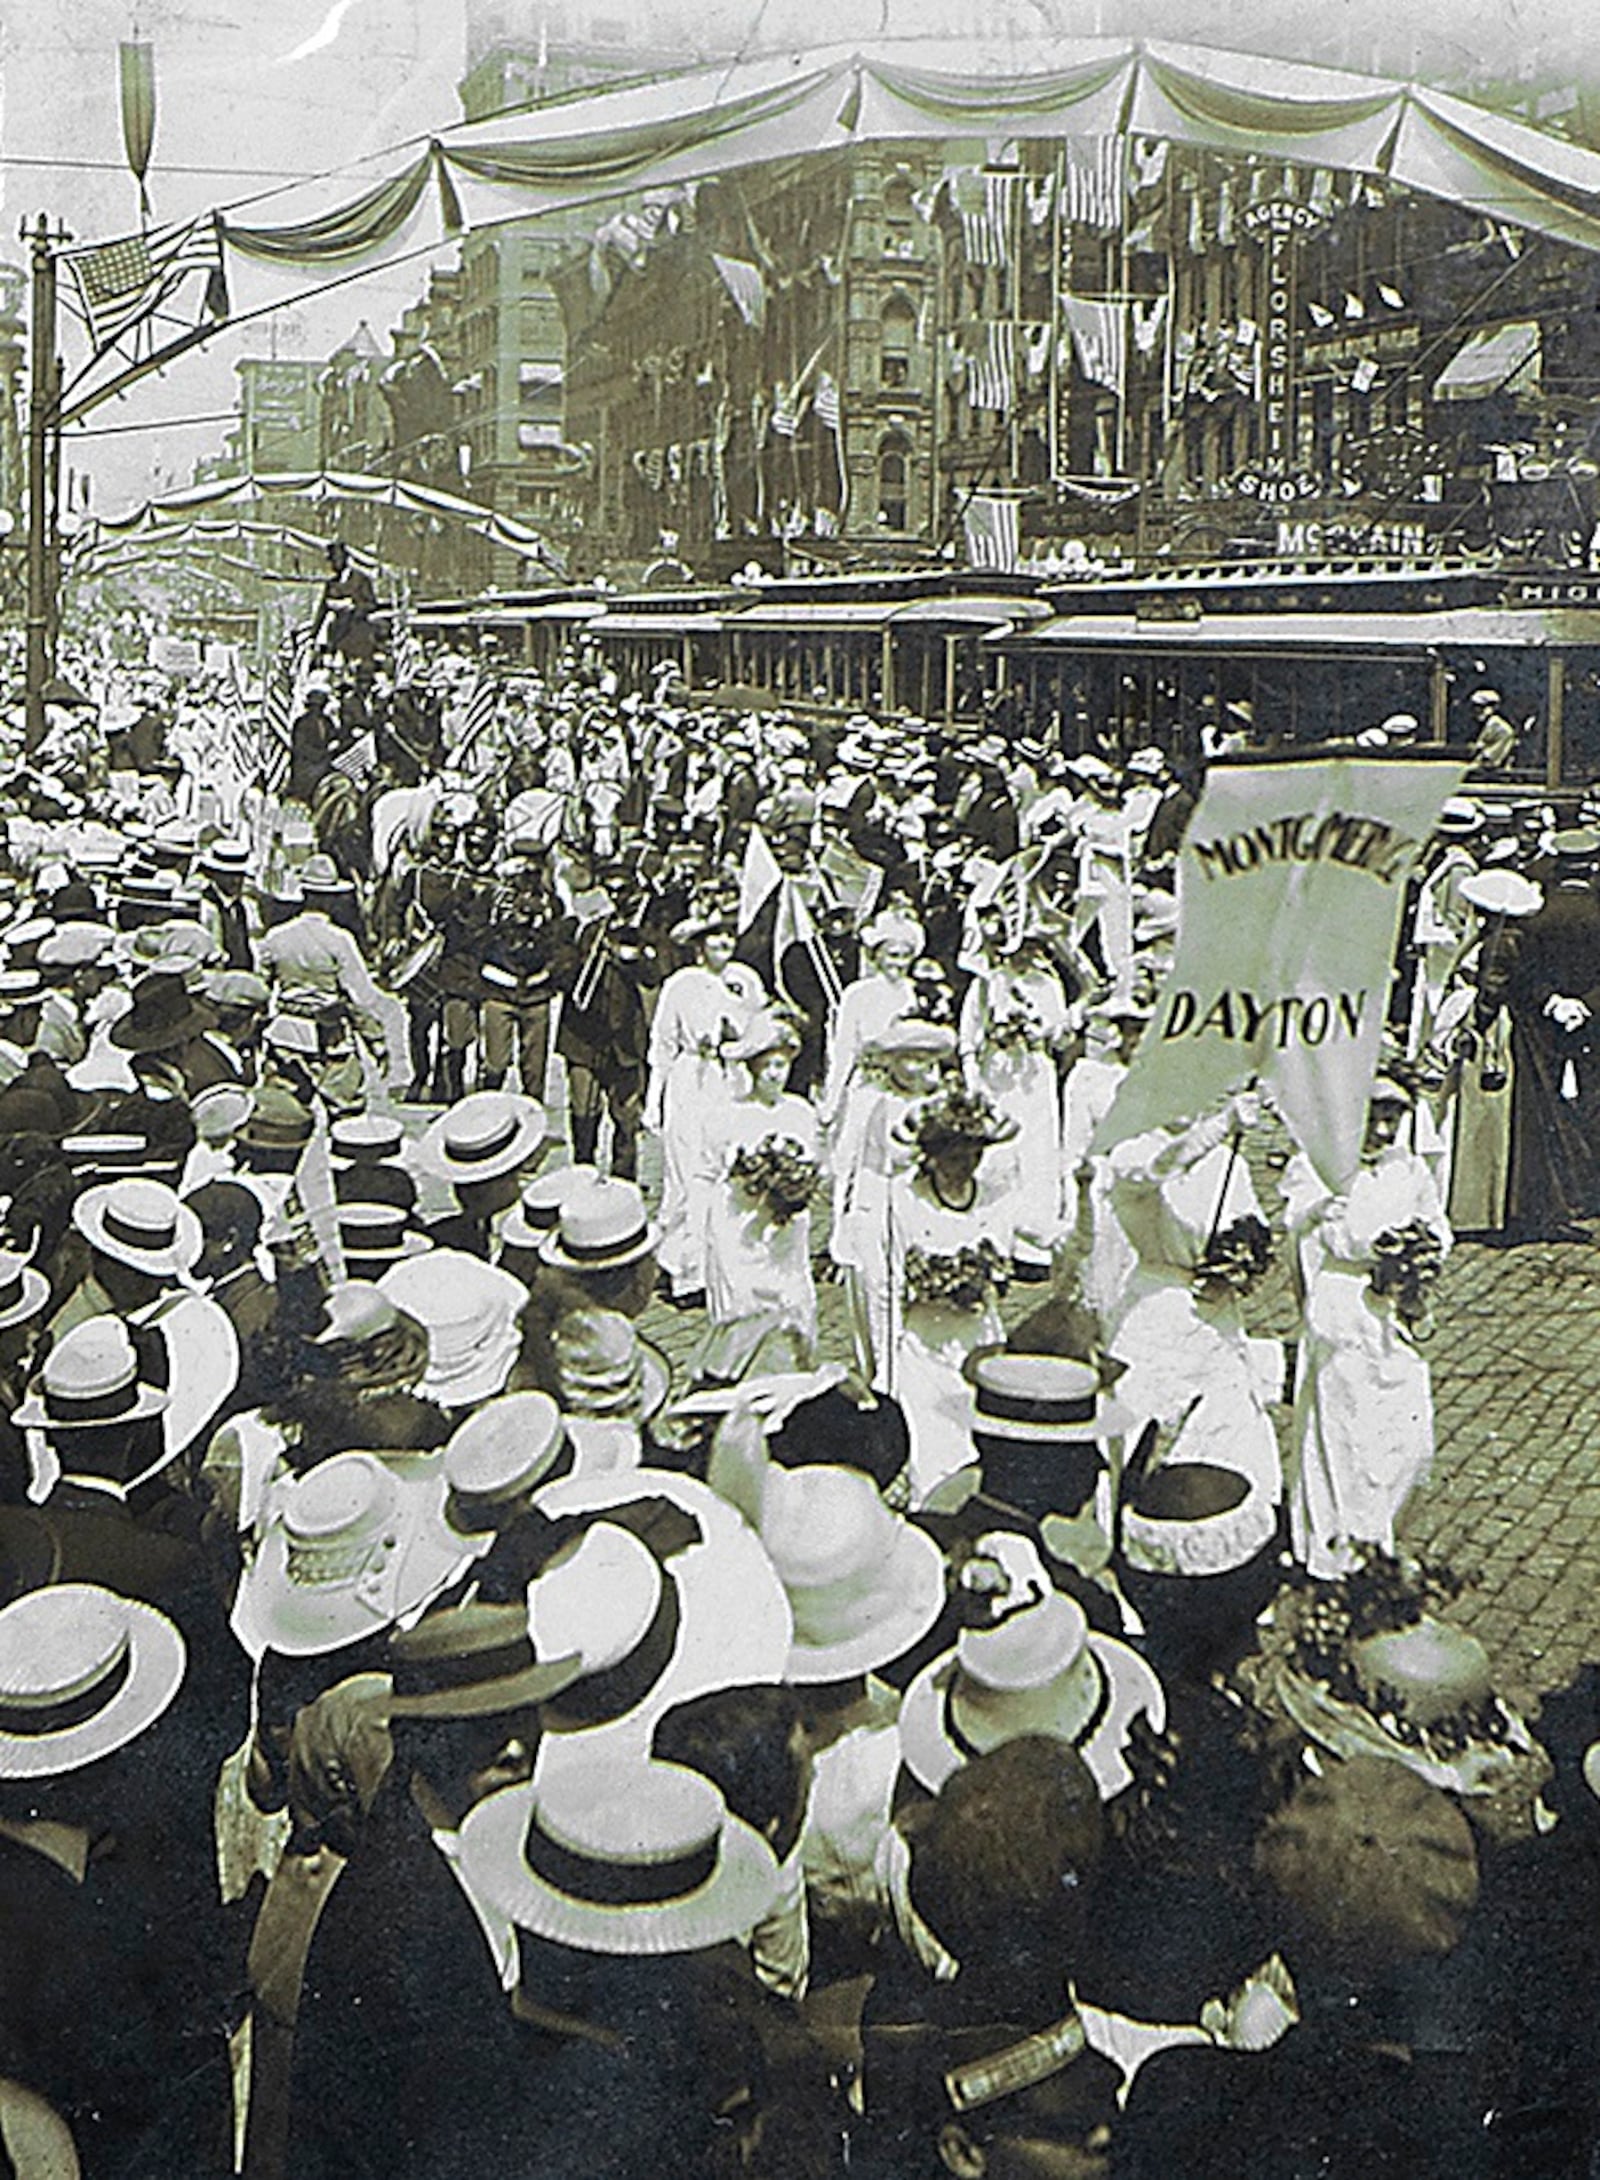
350	1547
471	1661
538	1210
653	1626
600	1228
1038	1669
365	1139
277	1120
24	1290
141	1223
378	1233
373	1346
863	1584
471	1311
605	1369
321	878
620	1858
499	1455
486	1135
228	858
76	945
90	1379
1502	893
82	1673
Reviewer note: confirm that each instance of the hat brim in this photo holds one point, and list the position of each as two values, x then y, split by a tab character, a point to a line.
736	1628
913	1587
488	1698
33	1415
533	1129
194	1022
88	1216
411	1244
479	1378
730	1903
551	1251
35	1294
1130	1690
157	1658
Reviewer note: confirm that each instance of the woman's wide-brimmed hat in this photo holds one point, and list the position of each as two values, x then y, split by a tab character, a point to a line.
24	1290
165	1013
863	1584
352	1546
620	1858
144	1224
600	1228
956	1118
371	1344
1039	1670
82	1673
911	1035
482	1137
90	1379
764	1032
471	1312
659	1608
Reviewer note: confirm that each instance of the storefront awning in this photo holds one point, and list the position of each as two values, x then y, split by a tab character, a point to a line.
1502	356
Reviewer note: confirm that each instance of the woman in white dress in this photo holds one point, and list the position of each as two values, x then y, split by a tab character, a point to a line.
1014	1018
948	1247
701	1010
758	1251
891	945
1364	1399
1185	1202
904	1064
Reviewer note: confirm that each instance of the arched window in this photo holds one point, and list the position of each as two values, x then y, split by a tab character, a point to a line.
894	473
899	332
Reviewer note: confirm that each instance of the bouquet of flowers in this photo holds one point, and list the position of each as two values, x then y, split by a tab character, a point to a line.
776	1175
1236	1258
1406	1262
959	1116
1017	1029
963	1279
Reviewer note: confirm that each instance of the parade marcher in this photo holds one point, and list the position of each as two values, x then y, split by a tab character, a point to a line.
763	1152
318	974
1364	1400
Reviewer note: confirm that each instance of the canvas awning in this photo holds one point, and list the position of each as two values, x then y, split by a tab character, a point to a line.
656	624
972	612
1496	357
821	617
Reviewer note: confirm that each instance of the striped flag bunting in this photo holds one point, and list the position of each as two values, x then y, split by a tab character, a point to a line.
787	404
360	760
1099	332
826	402
994	531
992	371
983	206
478	709
280	702
1091	181
122	283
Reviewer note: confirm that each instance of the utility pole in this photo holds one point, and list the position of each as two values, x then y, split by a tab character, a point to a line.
43	471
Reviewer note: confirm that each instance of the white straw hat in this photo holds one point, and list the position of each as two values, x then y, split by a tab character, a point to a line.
862	1584
89	1380
82	1673
471	1311
482	1137
141	1223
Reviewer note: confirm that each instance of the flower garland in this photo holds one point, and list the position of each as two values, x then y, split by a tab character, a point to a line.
1236	1258
777	1176
1407	1260
962	1279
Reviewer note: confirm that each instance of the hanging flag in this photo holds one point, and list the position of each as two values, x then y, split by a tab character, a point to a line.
1041	198
1091	181
1197	225
474	712
1148	320
825	404
1353	306
1149	162
992	372
1319	315
994	534
1226	229
824	522
1392	296
122	283
1365	376
137	69
1291	883
745	284
787	403
983	206
1100	337
1322	199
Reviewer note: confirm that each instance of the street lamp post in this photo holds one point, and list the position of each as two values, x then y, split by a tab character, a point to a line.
43	422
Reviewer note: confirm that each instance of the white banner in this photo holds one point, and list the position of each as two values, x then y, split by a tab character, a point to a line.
1291	883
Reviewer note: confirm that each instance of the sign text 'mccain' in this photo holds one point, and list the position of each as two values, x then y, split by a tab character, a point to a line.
1362	843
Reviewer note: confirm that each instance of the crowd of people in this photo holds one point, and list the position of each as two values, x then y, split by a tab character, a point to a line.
442	1733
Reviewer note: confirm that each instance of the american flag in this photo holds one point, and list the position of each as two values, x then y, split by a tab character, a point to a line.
1091	181
786	406
992	373
360	760
826	403
983	205
477	708
279	703
1099	332
120	283
993	528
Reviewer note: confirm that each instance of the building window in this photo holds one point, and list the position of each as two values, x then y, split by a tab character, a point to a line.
899	333
894	470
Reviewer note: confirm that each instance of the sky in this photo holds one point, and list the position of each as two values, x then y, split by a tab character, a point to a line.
251	93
